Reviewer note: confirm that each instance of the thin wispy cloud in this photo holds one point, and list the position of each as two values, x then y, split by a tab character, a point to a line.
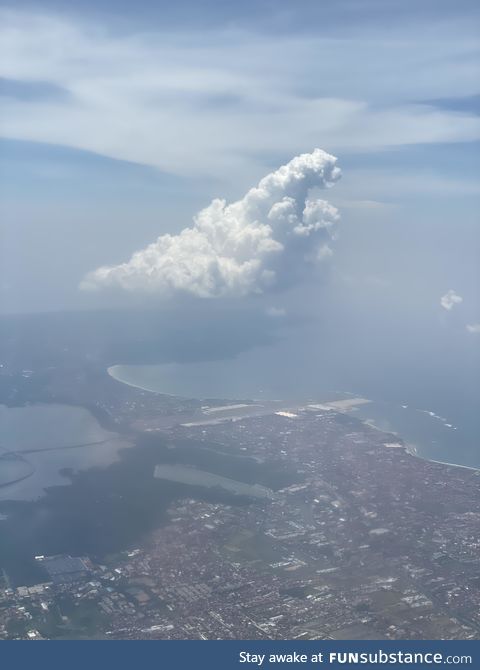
190	104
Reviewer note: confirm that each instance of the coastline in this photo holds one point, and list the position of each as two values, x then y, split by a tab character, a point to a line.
111	373
410	448
453	465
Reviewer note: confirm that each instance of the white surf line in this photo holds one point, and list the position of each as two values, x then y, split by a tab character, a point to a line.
120	380
453	465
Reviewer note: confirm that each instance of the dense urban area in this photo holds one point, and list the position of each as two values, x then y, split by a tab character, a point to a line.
350	536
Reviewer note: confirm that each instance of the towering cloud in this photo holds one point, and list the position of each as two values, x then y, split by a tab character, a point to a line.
267	239
450	299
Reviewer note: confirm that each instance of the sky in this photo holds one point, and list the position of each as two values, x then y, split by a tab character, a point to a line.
122	125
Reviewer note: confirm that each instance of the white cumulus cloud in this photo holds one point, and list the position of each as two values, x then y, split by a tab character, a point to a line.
473	328
450	299
266	240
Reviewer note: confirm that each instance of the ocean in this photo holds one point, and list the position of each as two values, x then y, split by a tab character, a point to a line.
440	422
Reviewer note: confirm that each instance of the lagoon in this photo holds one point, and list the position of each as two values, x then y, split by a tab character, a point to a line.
41	444
182	474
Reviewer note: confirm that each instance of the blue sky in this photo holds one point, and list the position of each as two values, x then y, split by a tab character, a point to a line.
120	121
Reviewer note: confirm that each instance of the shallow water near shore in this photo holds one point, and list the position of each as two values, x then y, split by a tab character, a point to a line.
41	442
